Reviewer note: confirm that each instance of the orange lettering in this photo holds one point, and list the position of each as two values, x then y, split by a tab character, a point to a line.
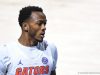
46	69
18	71
30	70
36	70
41	69
25	71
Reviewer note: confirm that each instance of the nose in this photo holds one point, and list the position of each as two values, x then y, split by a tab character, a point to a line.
43	27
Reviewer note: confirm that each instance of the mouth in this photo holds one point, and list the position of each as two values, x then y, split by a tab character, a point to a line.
42	34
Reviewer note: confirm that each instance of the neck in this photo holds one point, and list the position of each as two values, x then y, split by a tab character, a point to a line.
26	40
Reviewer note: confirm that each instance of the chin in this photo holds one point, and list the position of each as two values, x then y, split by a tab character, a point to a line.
40	40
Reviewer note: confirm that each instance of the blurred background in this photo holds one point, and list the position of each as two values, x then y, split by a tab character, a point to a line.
73	25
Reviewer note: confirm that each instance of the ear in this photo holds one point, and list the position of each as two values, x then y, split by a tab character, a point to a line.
25	27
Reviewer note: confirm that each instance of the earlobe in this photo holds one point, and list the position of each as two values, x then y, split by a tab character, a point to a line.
25	27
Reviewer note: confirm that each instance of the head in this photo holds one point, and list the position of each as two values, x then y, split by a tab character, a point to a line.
32	21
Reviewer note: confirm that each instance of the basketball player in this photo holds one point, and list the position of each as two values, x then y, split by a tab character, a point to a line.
30	55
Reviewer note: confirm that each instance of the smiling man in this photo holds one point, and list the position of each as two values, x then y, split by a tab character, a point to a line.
30	55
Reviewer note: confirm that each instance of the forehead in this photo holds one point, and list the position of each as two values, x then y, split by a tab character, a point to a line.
38	16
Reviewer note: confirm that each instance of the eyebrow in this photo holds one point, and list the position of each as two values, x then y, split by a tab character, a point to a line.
41	20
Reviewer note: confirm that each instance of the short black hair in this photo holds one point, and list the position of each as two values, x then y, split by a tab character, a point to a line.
25	13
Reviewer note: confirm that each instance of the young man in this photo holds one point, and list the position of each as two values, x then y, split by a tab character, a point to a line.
30	55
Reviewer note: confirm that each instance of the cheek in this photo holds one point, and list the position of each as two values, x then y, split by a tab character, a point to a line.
34	27
37	32
34	31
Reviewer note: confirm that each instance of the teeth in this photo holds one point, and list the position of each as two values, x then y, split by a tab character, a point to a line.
42	35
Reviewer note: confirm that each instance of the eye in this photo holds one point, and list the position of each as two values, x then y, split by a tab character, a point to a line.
45	22
41	22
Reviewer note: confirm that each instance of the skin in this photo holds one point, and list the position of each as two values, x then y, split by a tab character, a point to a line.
33	31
